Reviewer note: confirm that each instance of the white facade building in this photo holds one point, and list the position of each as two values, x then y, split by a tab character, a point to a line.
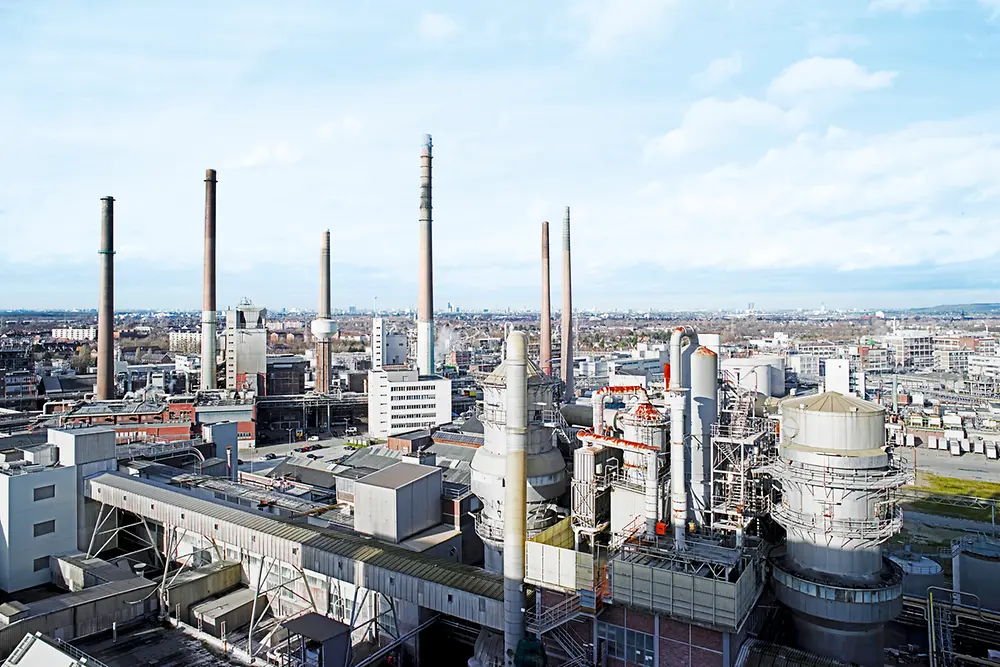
804	364
75	333
246	348
400	399
184	341
952	360
911	348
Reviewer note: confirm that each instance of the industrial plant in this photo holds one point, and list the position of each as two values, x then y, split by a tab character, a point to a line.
682	507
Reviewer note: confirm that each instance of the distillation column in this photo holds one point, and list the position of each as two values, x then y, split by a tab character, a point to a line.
106	308
209	324
704	414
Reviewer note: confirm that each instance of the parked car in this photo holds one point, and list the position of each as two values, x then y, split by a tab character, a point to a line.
270	456
300	449
312	456
313	438
351	430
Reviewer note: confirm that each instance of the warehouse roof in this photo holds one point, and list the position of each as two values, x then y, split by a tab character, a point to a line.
367	550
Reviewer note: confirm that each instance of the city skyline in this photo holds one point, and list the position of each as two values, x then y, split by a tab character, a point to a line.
792	157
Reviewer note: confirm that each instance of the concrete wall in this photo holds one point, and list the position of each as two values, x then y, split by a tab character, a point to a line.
20	513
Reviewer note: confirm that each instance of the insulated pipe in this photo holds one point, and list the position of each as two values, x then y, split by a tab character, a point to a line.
515	495
597	402
106	307
651	495
425	297
566	348
678	494
545	326
209	326
704	414
322	326
676	361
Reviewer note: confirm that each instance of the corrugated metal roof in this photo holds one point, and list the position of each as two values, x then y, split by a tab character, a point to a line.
367	550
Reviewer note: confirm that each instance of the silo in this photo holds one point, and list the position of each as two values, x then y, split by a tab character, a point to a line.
838	505
704	413
919	572
976	568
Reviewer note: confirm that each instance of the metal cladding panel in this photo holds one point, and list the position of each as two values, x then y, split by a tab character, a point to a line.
833	430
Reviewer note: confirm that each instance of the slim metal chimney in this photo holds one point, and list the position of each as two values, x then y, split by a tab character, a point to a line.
515	495
322	326
567	316
106	306
208	309
545	326
425	298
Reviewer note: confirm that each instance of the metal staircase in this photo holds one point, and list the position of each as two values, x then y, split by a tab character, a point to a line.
553	617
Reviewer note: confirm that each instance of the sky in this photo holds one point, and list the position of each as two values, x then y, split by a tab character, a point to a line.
789	153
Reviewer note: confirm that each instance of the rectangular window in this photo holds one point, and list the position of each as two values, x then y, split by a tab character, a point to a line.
45	527
43	492
41	563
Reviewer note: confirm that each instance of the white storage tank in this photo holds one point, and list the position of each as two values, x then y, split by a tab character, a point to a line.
976	568
919	572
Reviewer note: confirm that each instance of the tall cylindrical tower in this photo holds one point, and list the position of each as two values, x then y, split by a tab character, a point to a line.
838	505
425	297
323	327
209	324
544	464
704	414
566	364
545	323
516	482
106	308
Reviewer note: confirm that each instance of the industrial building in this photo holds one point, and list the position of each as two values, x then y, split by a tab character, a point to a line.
246	348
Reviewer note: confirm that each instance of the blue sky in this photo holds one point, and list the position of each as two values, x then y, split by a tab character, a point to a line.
785	152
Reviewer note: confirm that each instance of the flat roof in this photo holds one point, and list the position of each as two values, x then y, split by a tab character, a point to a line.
316	627
398	475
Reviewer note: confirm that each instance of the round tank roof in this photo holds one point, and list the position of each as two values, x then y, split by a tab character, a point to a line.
499	375
832	401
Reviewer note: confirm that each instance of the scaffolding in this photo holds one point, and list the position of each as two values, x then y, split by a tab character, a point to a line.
742	443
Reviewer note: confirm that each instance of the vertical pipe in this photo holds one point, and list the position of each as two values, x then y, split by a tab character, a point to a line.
515	494
545	325
208	309
678	493
704	414
106	306
567	315
651	498
425	297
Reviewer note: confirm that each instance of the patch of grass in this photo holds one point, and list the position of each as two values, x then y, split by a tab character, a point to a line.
951	486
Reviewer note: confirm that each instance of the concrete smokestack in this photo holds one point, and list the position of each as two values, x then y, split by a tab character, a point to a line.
323	327
425	298
106	306
545	326
515	495
567	316
209	325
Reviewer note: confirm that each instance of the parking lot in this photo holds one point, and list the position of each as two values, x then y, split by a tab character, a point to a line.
259	460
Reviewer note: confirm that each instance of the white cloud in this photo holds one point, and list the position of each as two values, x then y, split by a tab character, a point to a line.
720	71
711	121
993	6
842	200
435	27
268	154
905	6
613	23
824	77
345	127
833	44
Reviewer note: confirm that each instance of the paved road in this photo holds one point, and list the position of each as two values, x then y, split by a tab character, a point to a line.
968	466
949	522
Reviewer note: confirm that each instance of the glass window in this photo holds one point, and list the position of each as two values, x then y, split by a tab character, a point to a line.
41	563
43	492
45	527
